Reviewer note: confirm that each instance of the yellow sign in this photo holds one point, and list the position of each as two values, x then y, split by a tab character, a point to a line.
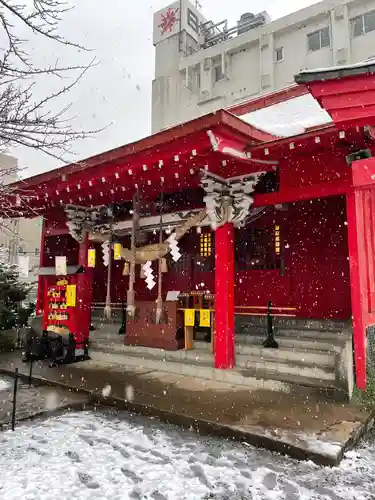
205	318
71	294
117	251
189	317
91	257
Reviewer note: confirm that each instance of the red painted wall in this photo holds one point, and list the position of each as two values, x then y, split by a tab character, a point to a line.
316	279
318	259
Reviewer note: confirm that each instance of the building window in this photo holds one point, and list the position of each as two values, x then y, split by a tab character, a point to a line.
319	39
218	72
258	248
198	78
37	251
205	245
363	24
279	54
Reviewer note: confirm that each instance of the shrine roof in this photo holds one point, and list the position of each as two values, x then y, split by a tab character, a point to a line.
224	144
335	72
150	144
173	156
346	93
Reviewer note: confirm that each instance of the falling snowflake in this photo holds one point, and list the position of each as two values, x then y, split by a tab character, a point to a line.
106	391
168	20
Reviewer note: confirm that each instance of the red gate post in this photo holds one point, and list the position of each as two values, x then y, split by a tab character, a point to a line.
224	298
361	241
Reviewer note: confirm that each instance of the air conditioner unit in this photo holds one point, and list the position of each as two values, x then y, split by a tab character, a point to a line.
205	95
342	55
339	12
265	80
264	40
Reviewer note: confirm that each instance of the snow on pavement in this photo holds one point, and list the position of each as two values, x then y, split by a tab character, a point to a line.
106	455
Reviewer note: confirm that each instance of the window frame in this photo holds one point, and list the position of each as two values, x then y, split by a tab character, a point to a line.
282	54
362	18
319	32
259	249
216	67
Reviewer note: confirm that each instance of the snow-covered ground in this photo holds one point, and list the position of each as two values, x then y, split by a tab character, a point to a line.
121	456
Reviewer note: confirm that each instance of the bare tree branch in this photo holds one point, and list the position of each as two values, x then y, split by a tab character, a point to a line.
25	119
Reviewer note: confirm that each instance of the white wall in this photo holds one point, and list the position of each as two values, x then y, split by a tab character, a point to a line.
365	44
250	61
18	235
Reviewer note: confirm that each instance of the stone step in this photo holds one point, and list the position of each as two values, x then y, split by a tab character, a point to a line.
315	357
252	378
293	323
287	367
312	365
289	338
307	356
298	333
294	353
290	342
312	334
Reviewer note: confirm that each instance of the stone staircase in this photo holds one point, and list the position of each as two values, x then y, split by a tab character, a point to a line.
311	354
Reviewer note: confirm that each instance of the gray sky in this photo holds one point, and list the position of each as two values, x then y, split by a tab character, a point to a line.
117	93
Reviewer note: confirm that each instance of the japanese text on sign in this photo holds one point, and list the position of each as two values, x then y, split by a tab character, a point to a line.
91	257
205	318
70	295
189	317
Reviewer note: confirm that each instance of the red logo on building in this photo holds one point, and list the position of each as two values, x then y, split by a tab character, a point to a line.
168	20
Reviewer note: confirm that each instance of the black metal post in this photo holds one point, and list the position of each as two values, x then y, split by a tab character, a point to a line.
270	339
15	387
30	371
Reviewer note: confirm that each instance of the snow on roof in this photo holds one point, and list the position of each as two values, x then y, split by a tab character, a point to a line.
317	74
289	118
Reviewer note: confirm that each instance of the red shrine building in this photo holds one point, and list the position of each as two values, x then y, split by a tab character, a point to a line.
220	217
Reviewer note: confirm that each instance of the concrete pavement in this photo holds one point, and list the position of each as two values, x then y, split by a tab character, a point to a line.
302	425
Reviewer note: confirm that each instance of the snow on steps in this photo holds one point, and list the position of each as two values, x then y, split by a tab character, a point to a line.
308	355
272	369
314	365
251	378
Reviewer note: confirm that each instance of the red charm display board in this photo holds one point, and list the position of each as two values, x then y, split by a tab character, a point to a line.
58	316
65	308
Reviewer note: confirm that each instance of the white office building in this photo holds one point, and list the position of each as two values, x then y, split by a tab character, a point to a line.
19	238
203	65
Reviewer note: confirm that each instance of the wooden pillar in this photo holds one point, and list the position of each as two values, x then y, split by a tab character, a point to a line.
41	280
224	298
360	205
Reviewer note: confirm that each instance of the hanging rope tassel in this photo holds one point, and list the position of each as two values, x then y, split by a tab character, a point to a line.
107	308
164	265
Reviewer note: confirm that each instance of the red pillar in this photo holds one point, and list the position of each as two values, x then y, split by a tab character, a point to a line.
224	297
359	332
40	293
361	241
